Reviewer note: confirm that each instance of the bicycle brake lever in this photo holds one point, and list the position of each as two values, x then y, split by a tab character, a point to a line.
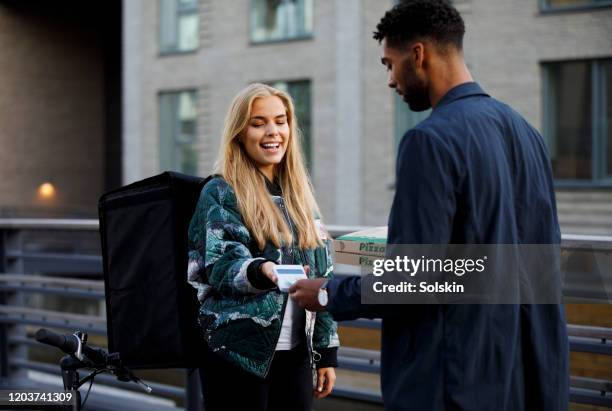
147	388
125	374
140	382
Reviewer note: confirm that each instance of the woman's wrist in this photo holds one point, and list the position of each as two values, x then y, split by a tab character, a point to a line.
329	357
257	278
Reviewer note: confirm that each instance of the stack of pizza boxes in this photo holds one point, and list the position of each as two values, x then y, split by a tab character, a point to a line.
361	248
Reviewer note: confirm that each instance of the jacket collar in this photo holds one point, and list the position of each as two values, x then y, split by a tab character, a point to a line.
461	91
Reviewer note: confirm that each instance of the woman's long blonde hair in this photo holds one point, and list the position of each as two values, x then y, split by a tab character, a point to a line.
261	216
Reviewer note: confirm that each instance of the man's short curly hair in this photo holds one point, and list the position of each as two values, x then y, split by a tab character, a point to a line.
412	19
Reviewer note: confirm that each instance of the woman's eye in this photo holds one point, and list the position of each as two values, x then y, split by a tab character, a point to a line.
257	125
281	122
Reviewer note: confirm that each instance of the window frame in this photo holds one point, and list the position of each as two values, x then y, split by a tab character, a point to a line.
181	10
176	142
546	7
308	154
599	143
300	37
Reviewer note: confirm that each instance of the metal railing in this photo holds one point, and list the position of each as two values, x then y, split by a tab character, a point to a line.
61	258
582	338
586	339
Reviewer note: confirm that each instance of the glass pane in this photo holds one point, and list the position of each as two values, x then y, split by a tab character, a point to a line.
280	19
574	3
281	85
187	117
188	32
187	159
167	120
178	125
307	10
569	125
258	30
167	25
562	3
607	112
300	92
178	24
188	3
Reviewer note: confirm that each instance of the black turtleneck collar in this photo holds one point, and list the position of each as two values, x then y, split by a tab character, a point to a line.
274	188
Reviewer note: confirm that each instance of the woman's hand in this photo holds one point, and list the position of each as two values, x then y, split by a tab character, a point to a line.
326	378
266	269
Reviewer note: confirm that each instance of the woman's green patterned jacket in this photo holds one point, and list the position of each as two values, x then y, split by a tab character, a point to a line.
240	322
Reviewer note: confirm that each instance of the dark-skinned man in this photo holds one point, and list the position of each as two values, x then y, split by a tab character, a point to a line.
473	172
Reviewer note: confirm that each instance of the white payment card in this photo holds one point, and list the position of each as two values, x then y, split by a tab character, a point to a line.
288	274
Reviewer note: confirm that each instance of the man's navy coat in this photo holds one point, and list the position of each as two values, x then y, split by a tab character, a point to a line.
473	172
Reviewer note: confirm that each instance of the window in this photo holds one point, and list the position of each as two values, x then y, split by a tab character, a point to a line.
405	119
300	92
178	132
578	119
178	24
273	20
572	4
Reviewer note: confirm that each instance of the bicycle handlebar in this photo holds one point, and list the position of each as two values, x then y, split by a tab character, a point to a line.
70	345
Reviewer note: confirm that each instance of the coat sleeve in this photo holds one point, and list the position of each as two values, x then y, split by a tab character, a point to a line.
325	338
345	301
219	242
424	204
422	212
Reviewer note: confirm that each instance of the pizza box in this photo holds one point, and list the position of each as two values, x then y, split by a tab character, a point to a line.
372	242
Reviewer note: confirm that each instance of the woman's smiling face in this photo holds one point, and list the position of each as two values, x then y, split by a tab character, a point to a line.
267	134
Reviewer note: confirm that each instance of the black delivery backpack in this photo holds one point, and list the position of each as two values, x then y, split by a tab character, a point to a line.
151	309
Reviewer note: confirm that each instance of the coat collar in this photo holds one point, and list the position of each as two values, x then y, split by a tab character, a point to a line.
461	91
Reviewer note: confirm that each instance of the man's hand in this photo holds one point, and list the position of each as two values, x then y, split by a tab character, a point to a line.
306	293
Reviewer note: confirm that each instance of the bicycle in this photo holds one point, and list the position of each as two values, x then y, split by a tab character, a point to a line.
82	356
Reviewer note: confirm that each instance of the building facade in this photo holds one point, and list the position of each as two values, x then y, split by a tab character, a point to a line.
329	63
549	60
91	100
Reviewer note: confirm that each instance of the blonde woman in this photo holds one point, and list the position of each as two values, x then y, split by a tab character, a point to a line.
264	352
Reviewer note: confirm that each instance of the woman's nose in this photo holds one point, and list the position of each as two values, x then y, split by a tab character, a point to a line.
271	129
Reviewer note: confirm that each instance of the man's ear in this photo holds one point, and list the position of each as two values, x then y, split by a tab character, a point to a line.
417	54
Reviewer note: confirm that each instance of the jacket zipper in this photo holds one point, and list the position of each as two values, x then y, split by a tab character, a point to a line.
309	326
285	300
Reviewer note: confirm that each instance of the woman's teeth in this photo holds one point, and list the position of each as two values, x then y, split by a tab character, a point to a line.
271	145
